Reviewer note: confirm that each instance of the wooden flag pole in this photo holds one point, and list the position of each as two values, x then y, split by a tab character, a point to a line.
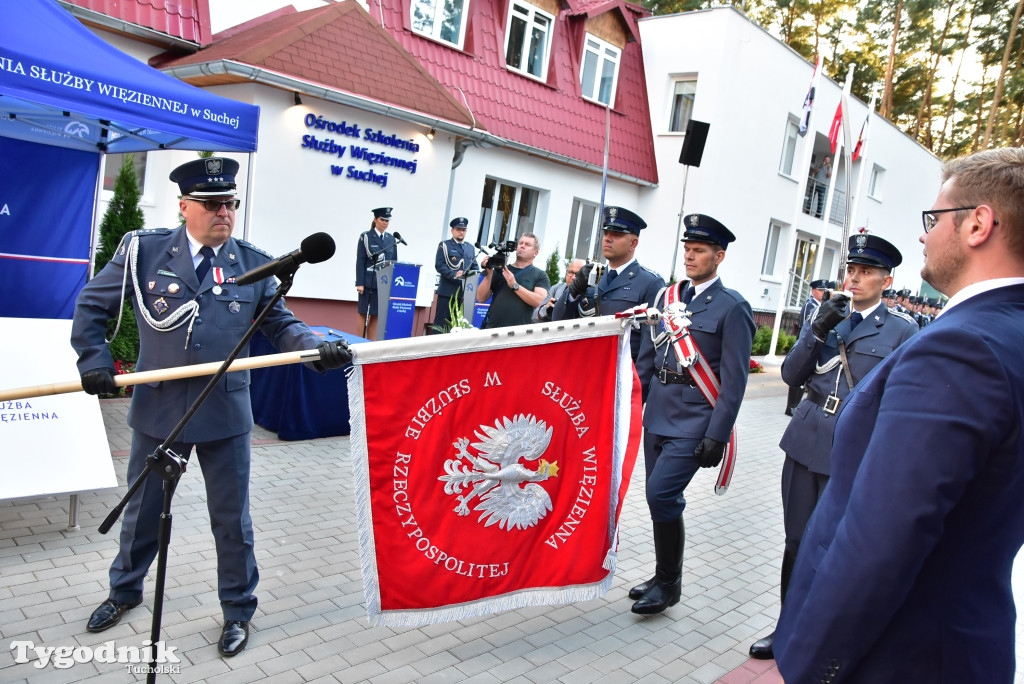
161	374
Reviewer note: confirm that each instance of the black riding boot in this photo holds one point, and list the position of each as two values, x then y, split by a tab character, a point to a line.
669	538
762	649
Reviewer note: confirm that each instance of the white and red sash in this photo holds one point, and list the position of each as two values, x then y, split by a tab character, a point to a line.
676	321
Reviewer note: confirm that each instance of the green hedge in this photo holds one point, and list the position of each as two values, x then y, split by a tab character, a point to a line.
763	340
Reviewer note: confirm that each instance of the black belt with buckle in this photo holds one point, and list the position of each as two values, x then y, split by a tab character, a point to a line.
667	377
829	404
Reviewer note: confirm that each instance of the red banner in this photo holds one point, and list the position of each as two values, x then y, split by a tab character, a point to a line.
491	478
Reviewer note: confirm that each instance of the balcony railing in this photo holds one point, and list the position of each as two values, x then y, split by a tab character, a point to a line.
814	202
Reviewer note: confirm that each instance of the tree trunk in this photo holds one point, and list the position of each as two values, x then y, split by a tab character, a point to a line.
885	109
924	109
1002	75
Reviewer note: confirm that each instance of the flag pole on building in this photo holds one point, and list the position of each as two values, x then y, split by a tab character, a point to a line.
839	137
859	148
802	164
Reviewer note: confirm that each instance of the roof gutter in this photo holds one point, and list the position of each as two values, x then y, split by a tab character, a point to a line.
475	136
127	28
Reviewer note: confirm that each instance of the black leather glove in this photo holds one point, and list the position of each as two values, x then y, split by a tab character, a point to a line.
99	381
579	284
709	452
332	355
829	315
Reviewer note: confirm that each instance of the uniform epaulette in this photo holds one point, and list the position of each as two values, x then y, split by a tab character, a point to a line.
148	231
254	248
900	314
652	271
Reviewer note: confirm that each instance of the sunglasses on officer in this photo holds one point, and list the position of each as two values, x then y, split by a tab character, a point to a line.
215	204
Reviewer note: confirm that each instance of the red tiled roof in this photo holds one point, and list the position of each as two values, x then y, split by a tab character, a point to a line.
185	19
550	116
338	46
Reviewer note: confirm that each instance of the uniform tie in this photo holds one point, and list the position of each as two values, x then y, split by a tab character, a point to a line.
204	265
611	275
688	295
855	319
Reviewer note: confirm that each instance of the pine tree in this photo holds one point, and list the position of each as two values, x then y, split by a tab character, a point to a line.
123	215
553	270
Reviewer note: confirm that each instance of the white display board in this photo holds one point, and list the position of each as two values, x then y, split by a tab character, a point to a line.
55	444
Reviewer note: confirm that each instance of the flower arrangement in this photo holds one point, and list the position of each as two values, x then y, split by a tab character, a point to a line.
122	367
755	367
456	320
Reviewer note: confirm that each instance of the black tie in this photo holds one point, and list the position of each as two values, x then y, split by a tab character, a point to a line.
204	266
688	295
855	319
611	275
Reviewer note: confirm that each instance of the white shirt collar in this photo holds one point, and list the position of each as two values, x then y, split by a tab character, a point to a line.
976	289
194	246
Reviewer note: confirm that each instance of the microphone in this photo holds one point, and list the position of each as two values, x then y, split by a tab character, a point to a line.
398	238
314	249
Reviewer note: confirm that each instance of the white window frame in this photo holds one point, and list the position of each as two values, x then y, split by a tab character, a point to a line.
789	140
435	11
603	54
677	121
533	18
492	216
771	250
577	230
875	182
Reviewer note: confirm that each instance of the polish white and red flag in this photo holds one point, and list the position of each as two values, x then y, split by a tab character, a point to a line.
491	467
836	129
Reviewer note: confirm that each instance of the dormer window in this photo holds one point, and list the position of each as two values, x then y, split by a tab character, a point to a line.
600	70
528	40
442	20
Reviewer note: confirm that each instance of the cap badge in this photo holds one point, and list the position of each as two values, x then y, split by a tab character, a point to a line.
214	166
613	213
862	241
695	220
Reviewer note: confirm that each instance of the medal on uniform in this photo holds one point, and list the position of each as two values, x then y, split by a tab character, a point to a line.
218	277
151	284
234	307
172	288
160	306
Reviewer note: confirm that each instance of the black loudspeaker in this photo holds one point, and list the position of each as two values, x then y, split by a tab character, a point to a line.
693	143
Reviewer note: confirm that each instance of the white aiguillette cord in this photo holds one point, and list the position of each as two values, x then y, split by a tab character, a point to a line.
175	320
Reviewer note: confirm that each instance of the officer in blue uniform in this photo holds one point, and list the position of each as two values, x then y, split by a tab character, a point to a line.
375	246
810	307
626	284
181	284
845	340
682	431
455	258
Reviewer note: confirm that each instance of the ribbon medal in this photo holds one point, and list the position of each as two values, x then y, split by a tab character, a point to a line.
218	277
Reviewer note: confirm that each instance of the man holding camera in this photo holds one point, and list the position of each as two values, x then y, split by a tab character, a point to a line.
624	286
839	347
515	289
543	313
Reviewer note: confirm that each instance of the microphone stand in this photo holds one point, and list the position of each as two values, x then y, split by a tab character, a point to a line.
170	466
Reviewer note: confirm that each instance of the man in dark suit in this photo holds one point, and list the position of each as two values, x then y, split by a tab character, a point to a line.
625	285
181	284
810	308
904	573
455	258
375	247
682	430
832	355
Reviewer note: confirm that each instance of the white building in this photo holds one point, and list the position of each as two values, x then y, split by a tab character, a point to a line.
750	88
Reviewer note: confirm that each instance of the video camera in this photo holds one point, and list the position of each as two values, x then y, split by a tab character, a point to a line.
501	252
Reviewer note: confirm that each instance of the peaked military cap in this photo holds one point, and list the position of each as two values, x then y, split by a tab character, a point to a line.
819	284
903	293
872	250
382	212
460	222
619	220
889	294
703	228
207	177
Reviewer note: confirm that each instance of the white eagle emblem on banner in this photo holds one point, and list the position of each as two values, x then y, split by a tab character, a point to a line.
496	475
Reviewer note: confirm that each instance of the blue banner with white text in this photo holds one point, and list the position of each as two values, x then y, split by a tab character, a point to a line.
402	300
46	204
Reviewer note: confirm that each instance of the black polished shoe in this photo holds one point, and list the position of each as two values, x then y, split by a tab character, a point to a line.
639	590
660	597
762	648
109	614
233	638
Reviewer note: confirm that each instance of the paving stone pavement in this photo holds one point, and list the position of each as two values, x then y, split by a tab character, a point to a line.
311	625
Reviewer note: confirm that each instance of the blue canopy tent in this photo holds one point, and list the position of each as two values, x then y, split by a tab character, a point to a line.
61	85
